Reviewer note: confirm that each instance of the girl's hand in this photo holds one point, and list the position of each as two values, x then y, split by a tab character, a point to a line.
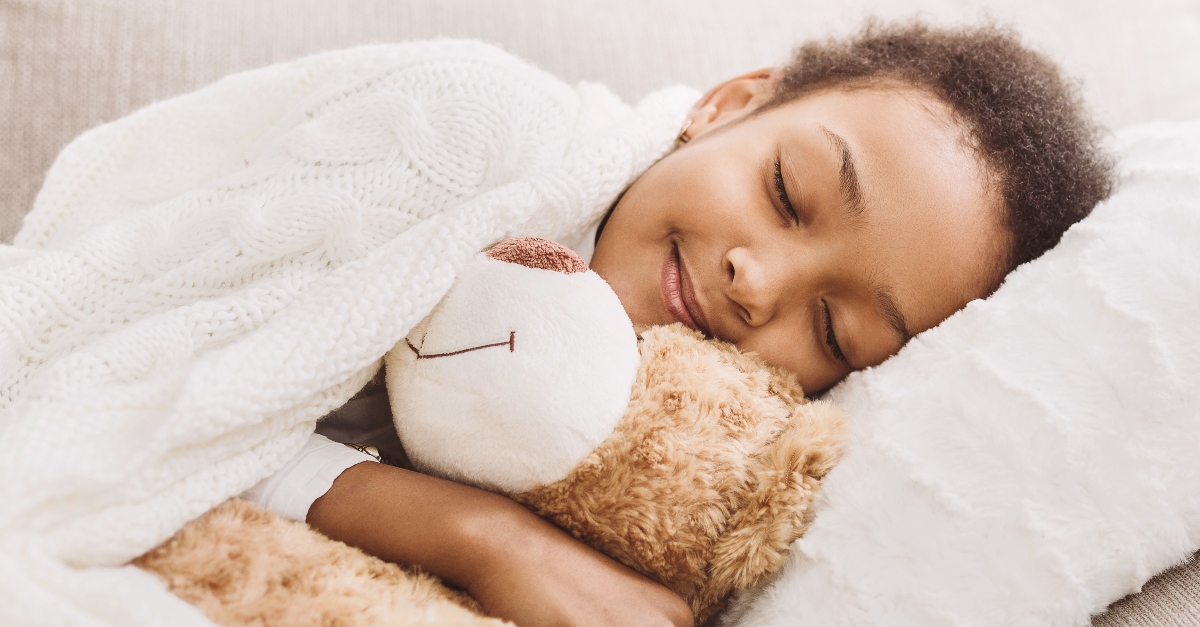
518	566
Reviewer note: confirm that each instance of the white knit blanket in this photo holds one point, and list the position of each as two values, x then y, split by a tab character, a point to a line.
200	281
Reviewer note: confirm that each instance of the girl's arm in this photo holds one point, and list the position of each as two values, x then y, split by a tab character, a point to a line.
518	566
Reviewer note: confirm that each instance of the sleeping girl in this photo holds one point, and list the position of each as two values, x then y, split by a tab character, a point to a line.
820	214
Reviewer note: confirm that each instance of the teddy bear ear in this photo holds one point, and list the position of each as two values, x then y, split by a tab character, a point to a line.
535	252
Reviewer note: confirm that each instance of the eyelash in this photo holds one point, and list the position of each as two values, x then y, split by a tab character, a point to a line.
830	337
781	192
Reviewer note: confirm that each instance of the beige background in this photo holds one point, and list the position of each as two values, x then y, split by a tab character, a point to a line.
71	64
68	65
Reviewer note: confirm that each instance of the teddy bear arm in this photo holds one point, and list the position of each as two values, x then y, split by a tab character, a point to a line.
244	566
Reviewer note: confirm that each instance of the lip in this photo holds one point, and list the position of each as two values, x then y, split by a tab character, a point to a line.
678	294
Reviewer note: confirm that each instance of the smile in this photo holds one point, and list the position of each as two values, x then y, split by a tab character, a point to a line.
679	296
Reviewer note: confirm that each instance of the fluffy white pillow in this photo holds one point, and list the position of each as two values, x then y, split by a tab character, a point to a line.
1037	456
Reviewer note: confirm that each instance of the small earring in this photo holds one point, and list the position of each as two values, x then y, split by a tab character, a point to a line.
682	137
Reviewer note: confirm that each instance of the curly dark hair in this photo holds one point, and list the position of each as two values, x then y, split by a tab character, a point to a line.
1025	122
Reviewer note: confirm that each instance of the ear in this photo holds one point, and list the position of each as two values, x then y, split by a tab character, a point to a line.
535	252
732	100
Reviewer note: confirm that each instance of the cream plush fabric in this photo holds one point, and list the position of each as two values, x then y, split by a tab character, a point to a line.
1033	458
523	414
204	279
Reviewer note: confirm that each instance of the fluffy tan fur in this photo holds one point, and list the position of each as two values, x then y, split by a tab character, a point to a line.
704	484
243	565
708	477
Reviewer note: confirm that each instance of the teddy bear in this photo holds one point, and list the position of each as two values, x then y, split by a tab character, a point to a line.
682	457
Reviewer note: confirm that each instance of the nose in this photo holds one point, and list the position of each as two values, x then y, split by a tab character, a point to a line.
753	286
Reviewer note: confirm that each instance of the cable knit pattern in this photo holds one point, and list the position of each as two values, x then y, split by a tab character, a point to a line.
200	281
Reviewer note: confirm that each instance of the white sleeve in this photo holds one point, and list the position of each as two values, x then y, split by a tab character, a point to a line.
304	479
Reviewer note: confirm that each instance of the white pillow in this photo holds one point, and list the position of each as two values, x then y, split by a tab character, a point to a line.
1037	456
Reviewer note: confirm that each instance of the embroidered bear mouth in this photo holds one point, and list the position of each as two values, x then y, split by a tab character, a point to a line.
511	343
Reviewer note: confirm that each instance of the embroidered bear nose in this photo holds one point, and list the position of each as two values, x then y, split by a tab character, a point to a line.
536	252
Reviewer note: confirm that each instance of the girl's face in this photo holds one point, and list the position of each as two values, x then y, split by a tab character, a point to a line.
821	234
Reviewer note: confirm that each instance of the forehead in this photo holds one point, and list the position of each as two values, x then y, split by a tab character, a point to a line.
930	227
906	137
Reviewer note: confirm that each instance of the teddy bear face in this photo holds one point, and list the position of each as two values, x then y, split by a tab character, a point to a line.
518	374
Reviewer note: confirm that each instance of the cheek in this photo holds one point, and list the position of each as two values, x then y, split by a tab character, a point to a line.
704	186
796	352
626	289
718	192
630	270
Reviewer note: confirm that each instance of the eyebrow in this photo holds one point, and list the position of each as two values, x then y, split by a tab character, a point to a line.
887	305
852	195
851	188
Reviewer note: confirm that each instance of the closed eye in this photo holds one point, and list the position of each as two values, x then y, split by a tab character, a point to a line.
781	192
830	336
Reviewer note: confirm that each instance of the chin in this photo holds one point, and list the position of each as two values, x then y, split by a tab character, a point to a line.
640	312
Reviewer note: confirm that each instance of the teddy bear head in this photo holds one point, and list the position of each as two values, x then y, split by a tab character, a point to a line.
520	372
